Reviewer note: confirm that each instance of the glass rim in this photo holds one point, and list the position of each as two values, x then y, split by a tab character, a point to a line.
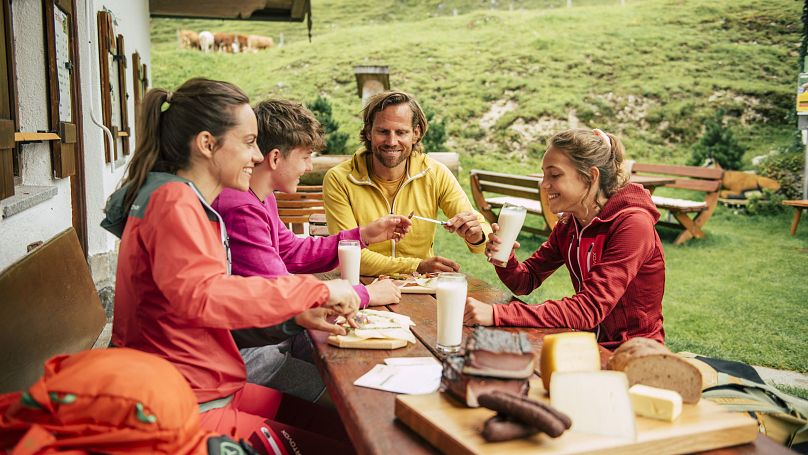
349	242
511	206
451	275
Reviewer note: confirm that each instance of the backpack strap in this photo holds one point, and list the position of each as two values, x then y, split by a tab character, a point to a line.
742	395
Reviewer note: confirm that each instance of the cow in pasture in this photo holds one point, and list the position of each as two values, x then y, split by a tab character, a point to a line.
258	42
188	39
206	41
243	42
223	42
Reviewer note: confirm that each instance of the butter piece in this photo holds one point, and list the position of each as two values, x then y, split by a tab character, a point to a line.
597	402
566	352
655	403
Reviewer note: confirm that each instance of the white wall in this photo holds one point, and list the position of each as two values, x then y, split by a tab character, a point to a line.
48	218
133	23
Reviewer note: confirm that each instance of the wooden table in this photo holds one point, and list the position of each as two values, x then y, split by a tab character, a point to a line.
368	414
798	205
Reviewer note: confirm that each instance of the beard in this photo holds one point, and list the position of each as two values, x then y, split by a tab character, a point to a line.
391	161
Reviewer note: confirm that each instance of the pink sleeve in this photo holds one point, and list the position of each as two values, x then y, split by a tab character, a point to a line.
311	254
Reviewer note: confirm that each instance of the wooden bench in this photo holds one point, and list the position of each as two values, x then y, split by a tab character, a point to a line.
303	211
798	204
690	215
514	189
49	306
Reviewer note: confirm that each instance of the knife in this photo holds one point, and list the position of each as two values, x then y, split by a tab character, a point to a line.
412	215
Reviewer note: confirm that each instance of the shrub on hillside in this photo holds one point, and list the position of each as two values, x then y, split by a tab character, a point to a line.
787	168
335	140
435	139
717	144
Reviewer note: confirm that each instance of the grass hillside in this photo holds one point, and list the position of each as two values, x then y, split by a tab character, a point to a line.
505	75
505	79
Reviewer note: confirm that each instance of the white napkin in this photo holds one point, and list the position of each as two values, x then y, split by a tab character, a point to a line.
409	375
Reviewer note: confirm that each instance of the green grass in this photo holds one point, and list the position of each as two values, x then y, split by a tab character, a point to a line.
650	72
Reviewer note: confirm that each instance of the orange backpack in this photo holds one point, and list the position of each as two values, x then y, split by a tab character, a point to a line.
113	401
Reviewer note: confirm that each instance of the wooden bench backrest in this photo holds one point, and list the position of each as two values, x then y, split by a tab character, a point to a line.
48	306
706	179
507	184
297	208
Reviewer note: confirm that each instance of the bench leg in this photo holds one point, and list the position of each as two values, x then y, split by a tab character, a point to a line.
796	221
691	229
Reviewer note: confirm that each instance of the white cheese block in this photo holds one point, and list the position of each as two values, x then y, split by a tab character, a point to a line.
655	403
597	402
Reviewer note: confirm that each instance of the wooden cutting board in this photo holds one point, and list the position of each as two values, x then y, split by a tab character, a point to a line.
454	428
370	343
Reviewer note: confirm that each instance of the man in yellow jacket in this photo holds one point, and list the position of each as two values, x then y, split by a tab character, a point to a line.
391	174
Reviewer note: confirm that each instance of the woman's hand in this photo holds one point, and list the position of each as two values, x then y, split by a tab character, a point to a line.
493	245
317	319
389	227
342	299
477	312
383	292
466	225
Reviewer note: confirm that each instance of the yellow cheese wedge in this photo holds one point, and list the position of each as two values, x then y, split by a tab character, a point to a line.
570	351
596	401
655	403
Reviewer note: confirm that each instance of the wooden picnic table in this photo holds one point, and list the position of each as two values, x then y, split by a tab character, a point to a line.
368	414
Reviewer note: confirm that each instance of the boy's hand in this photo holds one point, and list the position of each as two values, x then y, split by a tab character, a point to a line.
389	227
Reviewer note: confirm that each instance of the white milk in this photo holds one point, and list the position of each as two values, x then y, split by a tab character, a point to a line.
511	218
349	254
451	295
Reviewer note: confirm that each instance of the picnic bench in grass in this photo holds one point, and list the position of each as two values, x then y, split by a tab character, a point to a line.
690	215
49	306
303	211
492	190
798	206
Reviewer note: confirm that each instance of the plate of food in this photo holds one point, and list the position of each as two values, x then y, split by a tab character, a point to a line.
415	283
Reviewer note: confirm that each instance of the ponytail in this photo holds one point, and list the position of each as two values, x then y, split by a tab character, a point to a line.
169	122
147	150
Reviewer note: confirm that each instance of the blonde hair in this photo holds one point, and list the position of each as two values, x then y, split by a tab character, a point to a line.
593	148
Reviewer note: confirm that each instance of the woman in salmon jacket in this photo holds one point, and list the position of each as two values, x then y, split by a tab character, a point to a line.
606	238
174	295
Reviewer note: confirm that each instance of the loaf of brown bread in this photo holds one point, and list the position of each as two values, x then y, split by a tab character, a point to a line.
467	387
650	363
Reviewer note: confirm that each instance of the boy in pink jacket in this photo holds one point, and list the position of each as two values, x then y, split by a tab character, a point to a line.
262	245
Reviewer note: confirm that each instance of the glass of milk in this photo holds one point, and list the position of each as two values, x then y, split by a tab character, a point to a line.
451	295
349	253
511	218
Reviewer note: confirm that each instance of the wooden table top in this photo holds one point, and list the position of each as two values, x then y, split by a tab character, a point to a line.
368	414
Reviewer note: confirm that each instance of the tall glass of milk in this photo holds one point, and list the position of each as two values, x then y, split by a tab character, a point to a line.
349	254
451	295
511	218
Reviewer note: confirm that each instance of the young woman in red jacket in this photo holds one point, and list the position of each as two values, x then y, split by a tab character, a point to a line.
606	238
174	294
